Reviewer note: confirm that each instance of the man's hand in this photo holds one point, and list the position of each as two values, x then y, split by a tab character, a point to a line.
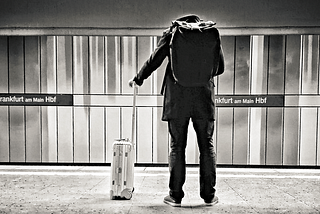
132	83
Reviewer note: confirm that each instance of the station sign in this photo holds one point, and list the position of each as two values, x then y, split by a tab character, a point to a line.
249	100
13	99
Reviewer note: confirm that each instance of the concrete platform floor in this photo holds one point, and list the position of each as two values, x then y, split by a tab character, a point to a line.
78	189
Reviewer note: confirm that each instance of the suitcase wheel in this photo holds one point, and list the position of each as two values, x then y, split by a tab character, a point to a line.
112	197
127	194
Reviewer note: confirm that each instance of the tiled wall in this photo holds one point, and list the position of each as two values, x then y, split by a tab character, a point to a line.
96	71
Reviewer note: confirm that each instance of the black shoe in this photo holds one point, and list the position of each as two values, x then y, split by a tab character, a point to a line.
171	201
214	201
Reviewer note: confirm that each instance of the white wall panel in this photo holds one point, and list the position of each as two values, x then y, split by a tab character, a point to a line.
32	85
310	64
160	138
96	64
64	64
241	136
33	133
112	129
65	135
291	136
50	147
144	135
4	64
4	120
145	48
17	134
97	135
274	143
81	135
308	149
128	62
4	135
225	135
112	64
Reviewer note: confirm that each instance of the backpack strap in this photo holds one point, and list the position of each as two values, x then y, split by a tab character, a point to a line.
194	25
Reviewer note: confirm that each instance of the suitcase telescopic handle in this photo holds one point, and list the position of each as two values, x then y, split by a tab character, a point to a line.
134	113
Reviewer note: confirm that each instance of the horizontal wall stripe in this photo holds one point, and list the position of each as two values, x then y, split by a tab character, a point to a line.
94	31
117	100
221	100
261	100
302	101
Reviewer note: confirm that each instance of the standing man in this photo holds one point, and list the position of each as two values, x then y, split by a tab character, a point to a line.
184	101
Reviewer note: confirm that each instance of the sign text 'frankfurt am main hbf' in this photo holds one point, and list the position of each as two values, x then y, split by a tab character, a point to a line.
249	100
36	99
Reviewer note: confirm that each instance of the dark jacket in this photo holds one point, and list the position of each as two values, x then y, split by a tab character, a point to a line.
179	101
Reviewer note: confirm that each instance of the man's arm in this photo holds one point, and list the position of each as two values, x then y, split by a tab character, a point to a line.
155	60
221	63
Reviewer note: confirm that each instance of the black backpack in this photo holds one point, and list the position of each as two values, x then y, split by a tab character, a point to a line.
194	52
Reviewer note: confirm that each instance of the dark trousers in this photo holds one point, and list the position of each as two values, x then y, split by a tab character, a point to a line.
178	129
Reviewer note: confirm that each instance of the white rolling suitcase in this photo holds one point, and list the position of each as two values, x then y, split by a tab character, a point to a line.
122	165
